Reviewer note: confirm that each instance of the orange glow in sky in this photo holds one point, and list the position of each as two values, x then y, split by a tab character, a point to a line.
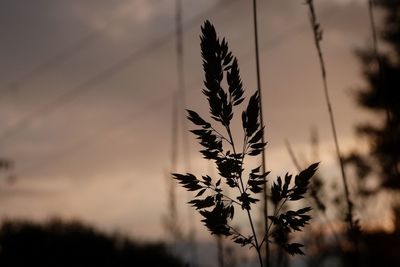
87	87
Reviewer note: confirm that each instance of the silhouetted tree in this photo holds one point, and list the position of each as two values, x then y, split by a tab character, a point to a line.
382	96
73	244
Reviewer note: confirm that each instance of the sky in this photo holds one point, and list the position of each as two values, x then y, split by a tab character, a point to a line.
87	89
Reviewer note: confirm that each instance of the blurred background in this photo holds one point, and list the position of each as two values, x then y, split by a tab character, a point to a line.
92	106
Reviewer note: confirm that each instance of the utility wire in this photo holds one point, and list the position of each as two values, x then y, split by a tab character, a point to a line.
181	81
172	215
144	111
61	56
91	139
160	102
182	118
104	75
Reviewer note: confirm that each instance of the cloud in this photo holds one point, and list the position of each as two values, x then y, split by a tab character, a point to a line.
96	156
117	19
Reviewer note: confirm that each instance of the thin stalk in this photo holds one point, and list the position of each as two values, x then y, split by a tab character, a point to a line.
373	27
295	162
317	38
225	196
376	53
181	78
220	251
182	100
258	248
292	155
236	231
172	219
277	210
242	190
220	135
174	160
265	210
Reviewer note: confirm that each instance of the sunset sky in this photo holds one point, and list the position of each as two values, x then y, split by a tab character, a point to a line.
87	87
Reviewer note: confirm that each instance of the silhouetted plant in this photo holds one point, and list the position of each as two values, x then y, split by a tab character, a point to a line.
263	167
317	240
216	208
317	34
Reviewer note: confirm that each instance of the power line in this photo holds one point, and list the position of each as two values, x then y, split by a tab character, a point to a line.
94	137
301	27
61	56
106	74
152	106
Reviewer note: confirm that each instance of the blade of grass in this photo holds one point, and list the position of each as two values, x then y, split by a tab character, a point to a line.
317	33
265	196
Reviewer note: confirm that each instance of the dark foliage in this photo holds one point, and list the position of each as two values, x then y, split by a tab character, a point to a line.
217	208
376	248
316	189
380	249
72	245
382	96
5	164
292	220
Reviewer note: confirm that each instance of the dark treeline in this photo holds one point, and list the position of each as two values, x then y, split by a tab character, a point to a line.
72	244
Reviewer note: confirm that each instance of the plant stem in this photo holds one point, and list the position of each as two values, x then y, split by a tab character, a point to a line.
220	135
323	214
242	190
376	54
228	129
220	251
265	210
277	210
173	226
225	196
317	39
258	248
373	28
292	156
